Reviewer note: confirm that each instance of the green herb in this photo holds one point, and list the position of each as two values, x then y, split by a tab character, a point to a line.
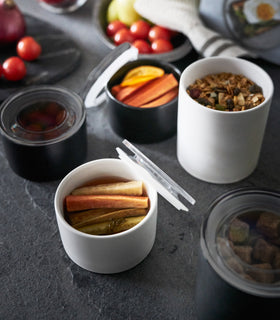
219	107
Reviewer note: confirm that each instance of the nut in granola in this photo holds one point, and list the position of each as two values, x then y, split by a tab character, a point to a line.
226	92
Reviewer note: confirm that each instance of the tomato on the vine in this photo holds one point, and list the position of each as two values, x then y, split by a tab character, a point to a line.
28	48
123	35
140	29
142	46
161	45
158	32
14	69
113	27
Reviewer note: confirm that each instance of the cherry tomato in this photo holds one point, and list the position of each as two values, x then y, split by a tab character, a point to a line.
123	35
113	27
142	46
161	45
14	69
1	70
158	32
28	48
140	29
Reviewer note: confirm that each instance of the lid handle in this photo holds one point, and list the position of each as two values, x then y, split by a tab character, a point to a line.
102	73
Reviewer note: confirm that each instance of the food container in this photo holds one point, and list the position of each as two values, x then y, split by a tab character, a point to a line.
227	287
49	152
122	251
182	45
243	21
218	146
61	6
145	125
54	146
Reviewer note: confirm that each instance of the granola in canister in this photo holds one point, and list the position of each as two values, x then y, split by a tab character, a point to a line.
226	92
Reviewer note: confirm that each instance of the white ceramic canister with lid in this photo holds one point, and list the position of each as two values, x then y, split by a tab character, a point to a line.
116	252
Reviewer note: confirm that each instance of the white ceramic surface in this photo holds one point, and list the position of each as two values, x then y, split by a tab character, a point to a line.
218	146
109	253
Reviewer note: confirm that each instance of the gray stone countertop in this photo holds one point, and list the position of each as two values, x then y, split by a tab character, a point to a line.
39	281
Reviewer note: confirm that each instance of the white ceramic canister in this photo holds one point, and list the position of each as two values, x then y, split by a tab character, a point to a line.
122	251
218	146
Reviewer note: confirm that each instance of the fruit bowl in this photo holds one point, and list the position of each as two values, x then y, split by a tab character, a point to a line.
181	44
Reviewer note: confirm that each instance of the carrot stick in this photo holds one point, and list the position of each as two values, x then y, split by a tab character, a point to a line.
126	92
165	98
152	90
116	89
85	202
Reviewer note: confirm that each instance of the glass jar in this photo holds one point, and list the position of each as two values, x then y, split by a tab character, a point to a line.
239	274
44	132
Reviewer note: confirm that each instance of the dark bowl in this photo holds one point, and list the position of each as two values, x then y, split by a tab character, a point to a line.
181	44
145	125
45	154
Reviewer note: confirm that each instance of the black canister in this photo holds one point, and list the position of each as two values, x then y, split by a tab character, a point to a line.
142	125
239	263
44	132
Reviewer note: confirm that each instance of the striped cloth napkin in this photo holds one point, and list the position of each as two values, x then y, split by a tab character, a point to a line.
183	16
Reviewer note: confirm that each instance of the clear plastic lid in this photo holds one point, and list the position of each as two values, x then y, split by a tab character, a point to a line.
241	240
41	115
167	187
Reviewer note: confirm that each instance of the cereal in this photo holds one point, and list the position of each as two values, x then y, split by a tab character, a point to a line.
238	231
226	92
257	273
250	245
263	251
269	225
244	253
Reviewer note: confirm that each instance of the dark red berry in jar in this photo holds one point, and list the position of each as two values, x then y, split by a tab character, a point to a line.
255	89
195	93
230	104
236	91
204	101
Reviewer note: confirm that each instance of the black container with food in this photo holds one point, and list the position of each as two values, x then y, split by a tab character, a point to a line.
142	124
44	132
239	264
44	127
